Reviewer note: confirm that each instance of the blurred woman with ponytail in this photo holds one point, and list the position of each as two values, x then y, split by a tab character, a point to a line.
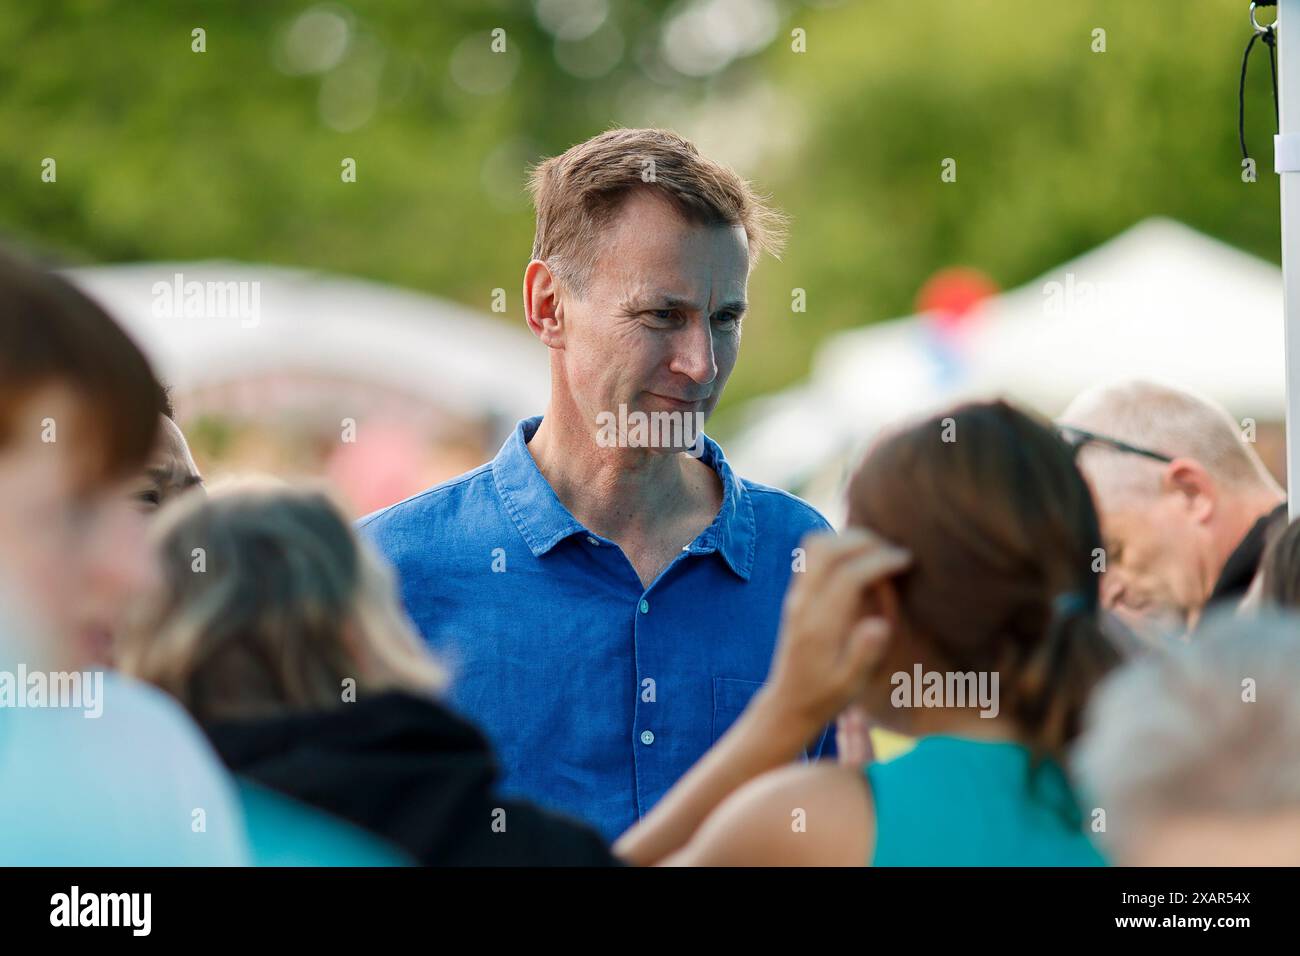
994	606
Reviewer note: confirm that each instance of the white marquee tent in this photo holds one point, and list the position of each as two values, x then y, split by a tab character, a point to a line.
1159	301
435	350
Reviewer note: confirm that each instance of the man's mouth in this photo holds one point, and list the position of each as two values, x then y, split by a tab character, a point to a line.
679	404
97	645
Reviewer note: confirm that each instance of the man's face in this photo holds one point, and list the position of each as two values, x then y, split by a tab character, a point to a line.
71	557
170	471
1152	579
659	327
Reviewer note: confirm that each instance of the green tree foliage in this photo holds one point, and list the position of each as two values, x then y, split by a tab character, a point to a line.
164	153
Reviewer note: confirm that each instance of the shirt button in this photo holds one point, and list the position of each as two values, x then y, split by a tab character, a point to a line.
647	737
591	540
644	607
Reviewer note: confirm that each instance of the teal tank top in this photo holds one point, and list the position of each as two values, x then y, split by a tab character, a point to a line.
284	832
954	801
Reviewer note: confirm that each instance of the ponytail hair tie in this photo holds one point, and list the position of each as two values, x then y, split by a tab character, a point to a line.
1070	603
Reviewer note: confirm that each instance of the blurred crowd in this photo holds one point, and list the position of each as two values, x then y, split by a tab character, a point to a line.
600	656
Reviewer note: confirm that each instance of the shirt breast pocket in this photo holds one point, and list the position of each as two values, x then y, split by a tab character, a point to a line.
730	697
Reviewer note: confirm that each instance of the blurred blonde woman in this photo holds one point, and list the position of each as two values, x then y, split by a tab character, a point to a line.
282	634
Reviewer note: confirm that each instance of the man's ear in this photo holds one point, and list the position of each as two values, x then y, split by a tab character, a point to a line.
1189	479
543	310
881	600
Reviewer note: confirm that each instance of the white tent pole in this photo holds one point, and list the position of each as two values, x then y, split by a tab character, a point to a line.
1286	155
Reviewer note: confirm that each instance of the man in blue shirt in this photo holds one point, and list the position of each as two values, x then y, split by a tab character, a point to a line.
606	591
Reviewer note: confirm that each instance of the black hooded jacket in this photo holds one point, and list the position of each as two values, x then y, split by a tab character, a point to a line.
408	769
1242	565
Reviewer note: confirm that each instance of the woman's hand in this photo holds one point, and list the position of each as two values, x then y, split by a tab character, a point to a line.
826	648
823	656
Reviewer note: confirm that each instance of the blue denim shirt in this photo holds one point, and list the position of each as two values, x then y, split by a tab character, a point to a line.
597	693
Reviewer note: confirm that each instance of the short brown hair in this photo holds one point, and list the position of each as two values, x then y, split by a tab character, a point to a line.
53	335
577	193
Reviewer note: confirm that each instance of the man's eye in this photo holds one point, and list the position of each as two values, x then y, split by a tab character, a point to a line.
148	497
727	319
663	315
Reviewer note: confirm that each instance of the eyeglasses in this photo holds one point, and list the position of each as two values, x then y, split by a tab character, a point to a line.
1076	438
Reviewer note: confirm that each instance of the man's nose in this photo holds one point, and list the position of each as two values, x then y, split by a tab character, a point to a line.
1112	589
694	353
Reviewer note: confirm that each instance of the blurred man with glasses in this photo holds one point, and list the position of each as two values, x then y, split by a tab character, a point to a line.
1186	504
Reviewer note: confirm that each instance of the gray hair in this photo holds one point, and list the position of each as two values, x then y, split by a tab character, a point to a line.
1168	420
1177	732
290	604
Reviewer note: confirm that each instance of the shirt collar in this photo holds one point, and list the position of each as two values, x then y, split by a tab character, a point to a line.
544	522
